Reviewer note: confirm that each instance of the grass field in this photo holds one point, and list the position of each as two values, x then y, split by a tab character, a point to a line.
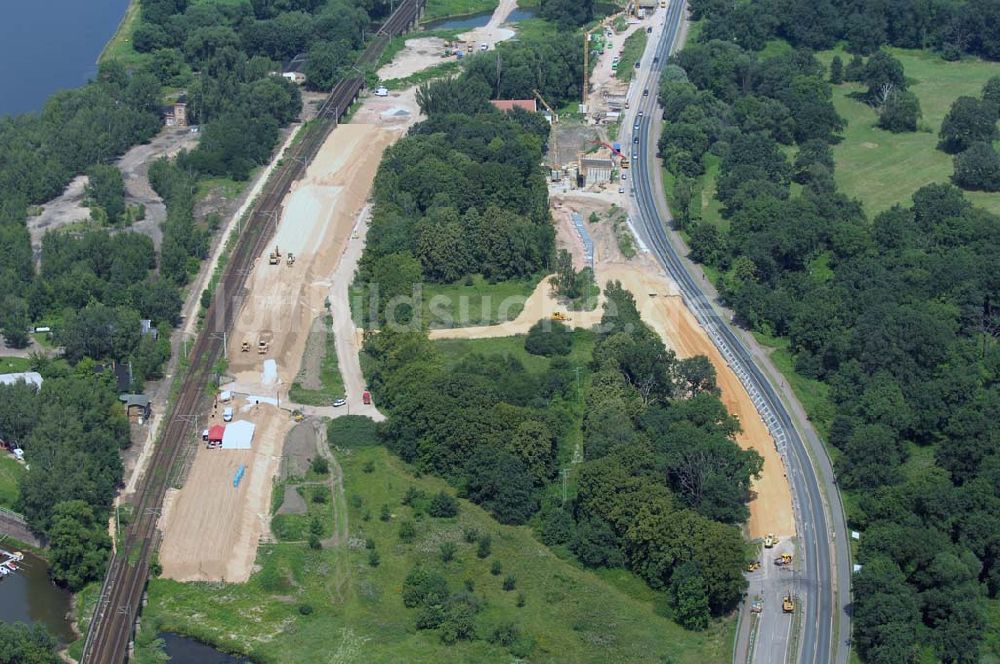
632	50
480	303
120	45
454	350
14	364
437	9
10	471
881	168
329	376
304	602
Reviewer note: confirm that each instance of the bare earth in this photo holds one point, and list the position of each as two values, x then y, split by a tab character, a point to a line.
211	529
417	55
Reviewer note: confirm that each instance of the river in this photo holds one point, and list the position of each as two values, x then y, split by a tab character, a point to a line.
476	20
28	596
50	45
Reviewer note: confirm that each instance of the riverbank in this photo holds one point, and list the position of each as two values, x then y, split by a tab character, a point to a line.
120	44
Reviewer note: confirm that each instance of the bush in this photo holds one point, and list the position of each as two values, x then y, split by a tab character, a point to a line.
351	431
412	494
320	466
522	599
443	505
470	535
314	543
407	531
496	568
385	514
305	609
548	338
900	113
510	582
369	467
373	558
485	544
423	587
448	550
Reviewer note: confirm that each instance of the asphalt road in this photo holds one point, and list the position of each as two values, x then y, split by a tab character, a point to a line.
820	630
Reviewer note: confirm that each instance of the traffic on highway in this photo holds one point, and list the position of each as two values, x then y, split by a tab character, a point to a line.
818	628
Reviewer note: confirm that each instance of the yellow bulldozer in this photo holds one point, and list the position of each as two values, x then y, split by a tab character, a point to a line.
753	566
245	347
262	347
788	604
274	257
783	559
560	316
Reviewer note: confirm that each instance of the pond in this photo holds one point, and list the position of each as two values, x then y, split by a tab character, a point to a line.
183	650
29	596
476	20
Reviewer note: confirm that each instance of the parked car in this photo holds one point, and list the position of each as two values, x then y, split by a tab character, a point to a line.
227	414
339	402
381	91
621	190
645	93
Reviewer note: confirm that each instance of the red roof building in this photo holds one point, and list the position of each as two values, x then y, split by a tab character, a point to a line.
215	433
505	105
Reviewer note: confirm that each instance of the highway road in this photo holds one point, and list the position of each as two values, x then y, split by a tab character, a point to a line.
819	631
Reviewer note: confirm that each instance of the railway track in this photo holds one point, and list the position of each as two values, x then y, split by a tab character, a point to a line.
110	629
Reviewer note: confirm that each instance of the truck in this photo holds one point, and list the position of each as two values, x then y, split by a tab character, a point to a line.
366	397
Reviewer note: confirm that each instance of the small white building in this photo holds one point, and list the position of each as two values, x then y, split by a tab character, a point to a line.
31	377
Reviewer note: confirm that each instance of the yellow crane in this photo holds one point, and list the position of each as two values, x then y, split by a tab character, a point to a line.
553	134
555	116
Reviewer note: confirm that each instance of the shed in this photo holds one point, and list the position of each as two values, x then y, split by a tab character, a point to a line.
294	69
30	377
134	402
146	326
216	433
238	435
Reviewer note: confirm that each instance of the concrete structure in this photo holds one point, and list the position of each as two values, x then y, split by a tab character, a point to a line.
505	105
597	167
648	4
238	435
175	115
30	377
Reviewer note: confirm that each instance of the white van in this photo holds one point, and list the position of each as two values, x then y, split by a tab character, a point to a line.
227	414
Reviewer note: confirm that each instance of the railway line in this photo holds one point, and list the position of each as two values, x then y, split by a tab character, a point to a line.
111	628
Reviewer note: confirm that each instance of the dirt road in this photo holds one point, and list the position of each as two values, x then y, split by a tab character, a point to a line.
492	33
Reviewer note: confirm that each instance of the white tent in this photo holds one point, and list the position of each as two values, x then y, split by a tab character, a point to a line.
30	377
238	435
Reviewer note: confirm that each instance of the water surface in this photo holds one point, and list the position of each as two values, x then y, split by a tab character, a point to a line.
28	596
49	45
183	650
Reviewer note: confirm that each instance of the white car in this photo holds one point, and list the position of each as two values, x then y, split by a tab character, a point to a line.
624	176
339	402
381	91
484	47
621	190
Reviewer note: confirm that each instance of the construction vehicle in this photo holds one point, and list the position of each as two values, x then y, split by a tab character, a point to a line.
753	566
262	347
783	559
297	415
560	316
555	116
788	604
769	541
366	397
245	347
274	257
757	606
291	259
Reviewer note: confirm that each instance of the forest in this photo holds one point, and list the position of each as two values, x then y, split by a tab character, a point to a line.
663	485
896	314
93	286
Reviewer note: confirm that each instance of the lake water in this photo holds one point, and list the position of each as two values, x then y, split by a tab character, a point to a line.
183	650
476	20
49	45
28	596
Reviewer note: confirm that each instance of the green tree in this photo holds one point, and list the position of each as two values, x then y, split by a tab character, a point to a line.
325	64
443	505
688	597
900	112
567	13
423	587
548	338
26	644
14	321
978	168
106	189
886	618
883	75
836	70
855	70
969	120
79	544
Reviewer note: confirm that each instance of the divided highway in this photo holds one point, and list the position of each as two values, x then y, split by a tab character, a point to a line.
821	627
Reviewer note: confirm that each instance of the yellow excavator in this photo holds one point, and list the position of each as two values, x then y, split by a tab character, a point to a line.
788	604
783	559
560	316
753	566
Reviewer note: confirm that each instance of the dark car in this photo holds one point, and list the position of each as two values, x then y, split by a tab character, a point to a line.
637	64
645	93
649	29
656	59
